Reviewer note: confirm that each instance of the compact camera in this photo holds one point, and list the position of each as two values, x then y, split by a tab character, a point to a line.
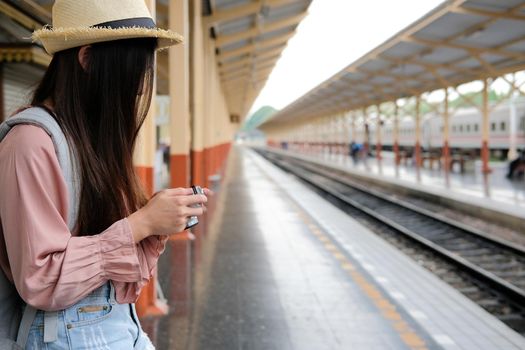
193	220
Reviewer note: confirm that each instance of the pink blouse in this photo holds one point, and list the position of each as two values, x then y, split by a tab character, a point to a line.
51	268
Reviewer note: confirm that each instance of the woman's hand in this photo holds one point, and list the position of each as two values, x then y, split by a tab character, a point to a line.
166	212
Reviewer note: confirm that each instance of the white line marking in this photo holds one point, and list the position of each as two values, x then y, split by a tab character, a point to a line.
398	295
419	315
443	339
369	267
382	280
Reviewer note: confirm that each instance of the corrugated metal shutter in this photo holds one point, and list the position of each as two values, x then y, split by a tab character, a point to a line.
19	81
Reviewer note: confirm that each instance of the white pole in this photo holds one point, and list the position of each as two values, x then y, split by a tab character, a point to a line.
513	126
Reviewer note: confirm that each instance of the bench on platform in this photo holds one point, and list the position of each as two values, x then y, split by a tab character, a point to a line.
404	157
431	158
460	159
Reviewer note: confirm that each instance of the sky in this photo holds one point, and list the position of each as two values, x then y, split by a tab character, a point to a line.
334	34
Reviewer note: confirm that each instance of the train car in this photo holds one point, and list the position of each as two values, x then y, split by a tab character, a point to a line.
465	129
406	138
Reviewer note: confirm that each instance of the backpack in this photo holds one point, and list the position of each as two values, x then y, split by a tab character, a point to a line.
15	316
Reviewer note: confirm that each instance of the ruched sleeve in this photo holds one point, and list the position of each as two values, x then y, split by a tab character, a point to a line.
51	268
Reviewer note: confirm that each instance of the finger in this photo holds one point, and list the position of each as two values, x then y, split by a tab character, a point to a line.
179	191
208	192
195	199
194	211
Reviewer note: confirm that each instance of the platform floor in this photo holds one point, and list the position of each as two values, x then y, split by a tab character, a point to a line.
278	267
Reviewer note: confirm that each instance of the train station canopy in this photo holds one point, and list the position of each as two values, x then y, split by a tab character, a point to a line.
458	42
249	38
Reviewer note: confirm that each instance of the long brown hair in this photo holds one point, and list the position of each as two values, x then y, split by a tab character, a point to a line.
101	109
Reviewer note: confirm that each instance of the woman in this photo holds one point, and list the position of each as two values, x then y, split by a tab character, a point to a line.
84	279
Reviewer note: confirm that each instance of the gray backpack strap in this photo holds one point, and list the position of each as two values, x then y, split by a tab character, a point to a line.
25	325
41	118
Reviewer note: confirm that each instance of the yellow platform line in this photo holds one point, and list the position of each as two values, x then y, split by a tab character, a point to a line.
387	309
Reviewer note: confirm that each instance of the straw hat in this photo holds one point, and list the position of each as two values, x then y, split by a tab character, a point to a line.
83	22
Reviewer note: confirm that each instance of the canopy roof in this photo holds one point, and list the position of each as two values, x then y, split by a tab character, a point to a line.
458	42
250	36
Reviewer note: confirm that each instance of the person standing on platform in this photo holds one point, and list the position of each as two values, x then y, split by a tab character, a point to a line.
80	247
356	151
517	166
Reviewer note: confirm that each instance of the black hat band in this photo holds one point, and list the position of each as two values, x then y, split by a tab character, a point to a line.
143	22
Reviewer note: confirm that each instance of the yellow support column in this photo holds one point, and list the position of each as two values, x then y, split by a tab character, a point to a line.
148	304
212	124
417	146
366	142
485	153
396	133
336	133
200	153
331	134
446	133
179	96
379	145
346	134
354	131
144	155
328	134
342	132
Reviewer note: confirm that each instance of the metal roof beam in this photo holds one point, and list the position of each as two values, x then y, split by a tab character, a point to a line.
479	26
256	46
470	49
246	71
414	61
227	67
227	39
19	16
247	77
249	68
243	10
444	82
253	54
240	88
496	15
401	80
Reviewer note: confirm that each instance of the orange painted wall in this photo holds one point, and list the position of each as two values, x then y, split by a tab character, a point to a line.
180	177
180	170
198	169
145	174
208	162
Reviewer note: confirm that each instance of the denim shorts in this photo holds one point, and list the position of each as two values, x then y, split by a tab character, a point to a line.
95	322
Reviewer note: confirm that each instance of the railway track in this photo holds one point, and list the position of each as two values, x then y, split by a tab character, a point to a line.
488	270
